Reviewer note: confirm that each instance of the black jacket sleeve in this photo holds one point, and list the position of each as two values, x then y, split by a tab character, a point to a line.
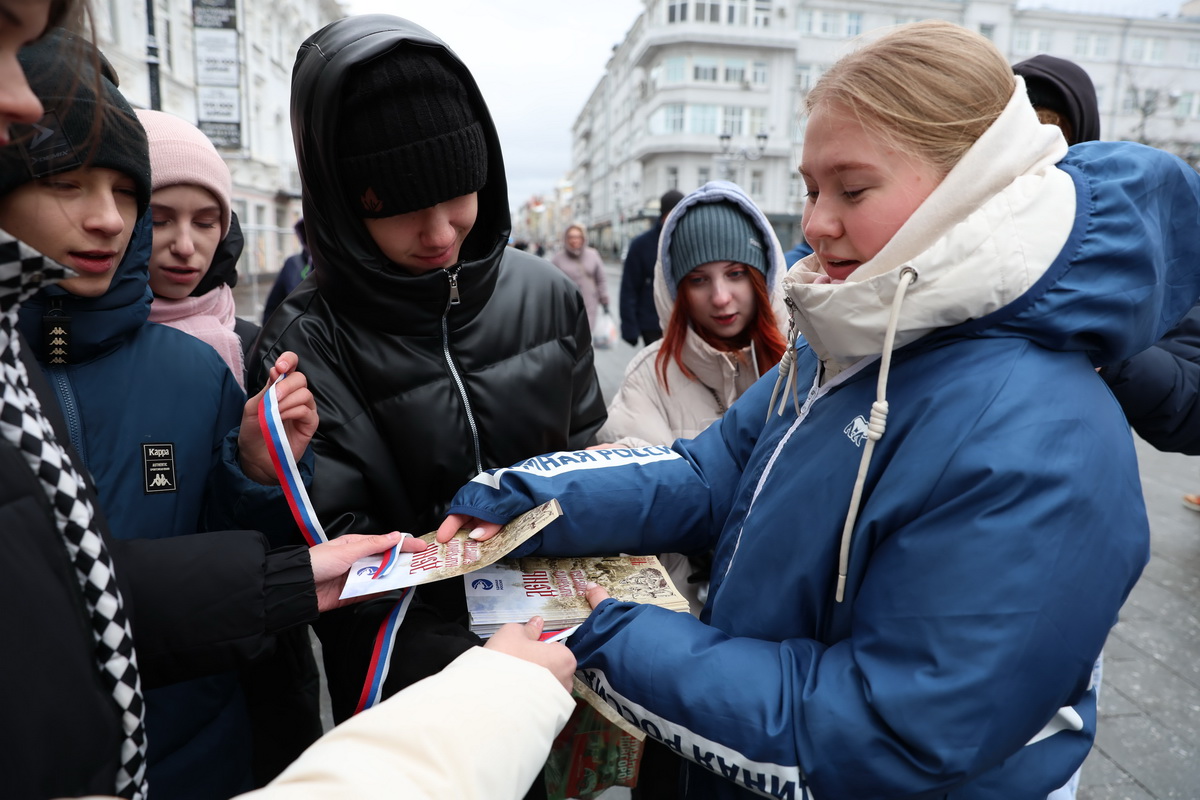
210	602
1159	388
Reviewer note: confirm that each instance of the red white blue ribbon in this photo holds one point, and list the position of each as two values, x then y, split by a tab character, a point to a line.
285	468
280	451
381	653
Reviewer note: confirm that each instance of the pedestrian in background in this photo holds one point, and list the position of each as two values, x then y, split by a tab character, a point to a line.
583	265
434	350
639	317
927	520
296	268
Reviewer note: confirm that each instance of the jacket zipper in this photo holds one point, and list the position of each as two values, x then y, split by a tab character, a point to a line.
70	409
454	300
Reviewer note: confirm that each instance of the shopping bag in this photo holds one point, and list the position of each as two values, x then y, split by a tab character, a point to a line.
604	332
597	750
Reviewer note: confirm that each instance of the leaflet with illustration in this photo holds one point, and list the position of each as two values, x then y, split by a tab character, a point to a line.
438	562
513	590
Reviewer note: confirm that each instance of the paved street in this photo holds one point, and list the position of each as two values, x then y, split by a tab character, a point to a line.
1148	746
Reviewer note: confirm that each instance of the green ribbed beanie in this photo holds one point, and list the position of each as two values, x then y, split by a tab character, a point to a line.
715	232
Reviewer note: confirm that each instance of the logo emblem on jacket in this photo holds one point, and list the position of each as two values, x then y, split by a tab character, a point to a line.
158	467
856	431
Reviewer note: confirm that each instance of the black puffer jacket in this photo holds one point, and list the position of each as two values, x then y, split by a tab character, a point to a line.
417	393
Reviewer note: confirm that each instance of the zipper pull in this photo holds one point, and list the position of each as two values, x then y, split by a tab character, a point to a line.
56	333
453	276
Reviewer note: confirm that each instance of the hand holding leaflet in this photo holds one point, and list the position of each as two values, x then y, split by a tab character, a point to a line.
440	560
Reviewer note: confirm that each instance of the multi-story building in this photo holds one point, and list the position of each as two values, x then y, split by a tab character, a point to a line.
227	66
704	89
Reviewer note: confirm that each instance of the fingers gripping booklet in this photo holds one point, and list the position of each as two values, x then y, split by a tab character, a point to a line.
438	562
513	590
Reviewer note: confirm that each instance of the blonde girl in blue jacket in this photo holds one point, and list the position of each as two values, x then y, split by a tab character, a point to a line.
926	520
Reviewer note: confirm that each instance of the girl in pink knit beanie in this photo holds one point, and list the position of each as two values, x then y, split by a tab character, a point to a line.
190	205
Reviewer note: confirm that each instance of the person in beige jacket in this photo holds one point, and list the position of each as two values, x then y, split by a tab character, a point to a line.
506	701
719	260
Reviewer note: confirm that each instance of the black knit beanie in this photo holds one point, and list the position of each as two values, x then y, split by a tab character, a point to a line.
718	231
68	136
409	136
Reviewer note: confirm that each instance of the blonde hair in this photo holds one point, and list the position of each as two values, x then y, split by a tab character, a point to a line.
929	89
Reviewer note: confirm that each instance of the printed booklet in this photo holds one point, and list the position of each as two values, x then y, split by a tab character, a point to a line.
513	590
438	562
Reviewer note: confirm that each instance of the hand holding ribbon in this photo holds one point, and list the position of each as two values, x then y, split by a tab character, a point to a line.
298	411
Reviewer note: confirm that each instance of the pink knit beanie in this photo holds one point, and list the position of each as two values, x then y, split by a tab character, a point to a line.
180	153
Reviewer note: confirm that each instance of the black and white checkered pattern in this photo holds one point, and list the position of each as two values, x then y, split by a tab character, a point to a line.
22	423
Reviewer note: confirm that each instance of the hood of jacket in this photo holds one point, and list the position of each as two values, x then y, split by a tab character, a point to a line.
710	364
352	272
1084	253
223	268
1075	87
98	325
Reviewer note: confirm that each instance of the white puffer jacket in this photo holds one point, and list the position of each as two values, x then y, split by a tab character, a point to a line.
644	412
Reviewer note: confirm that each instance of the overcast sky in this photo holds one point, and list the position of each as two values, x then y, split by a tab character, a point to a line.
537	61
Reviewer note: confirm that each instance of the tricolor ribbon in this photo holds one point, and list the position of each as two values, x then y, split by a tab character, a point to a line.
298	501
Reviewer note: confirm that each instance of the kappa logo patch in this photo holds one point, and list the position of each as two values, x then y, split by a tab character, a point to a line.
158	467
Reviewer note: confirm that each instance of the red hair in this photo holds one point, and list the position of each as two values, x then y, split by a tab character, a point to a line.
762	331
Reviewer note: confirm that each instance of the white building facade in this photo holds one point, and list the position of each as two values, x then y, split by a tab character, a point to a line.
706	89
235	81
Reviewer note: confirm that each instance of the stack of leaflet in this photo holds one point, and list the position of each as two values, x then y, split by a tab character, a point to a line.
513	590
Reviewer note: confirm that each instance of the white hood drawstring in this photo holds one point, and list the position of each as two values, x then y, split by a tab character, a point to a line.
875	428
787	375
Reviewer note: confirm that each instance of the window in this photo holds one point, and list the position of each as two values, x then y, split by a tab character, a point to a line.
1023	41
738	12
1129	102
1183	107
677	11
759	75
710	12
756	183
733	121
703	175
806	76
987	30
673	118
904	19
1137	48
1158	50
853	23
829	23
1083	44
1101	46
1044	40
704	119
704	69
804	21
735	70
758	121
674	71
672	177
1193	54
762	13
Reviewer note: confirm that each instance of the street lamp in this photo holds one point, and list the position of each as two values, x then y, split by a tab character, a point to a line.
729	156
